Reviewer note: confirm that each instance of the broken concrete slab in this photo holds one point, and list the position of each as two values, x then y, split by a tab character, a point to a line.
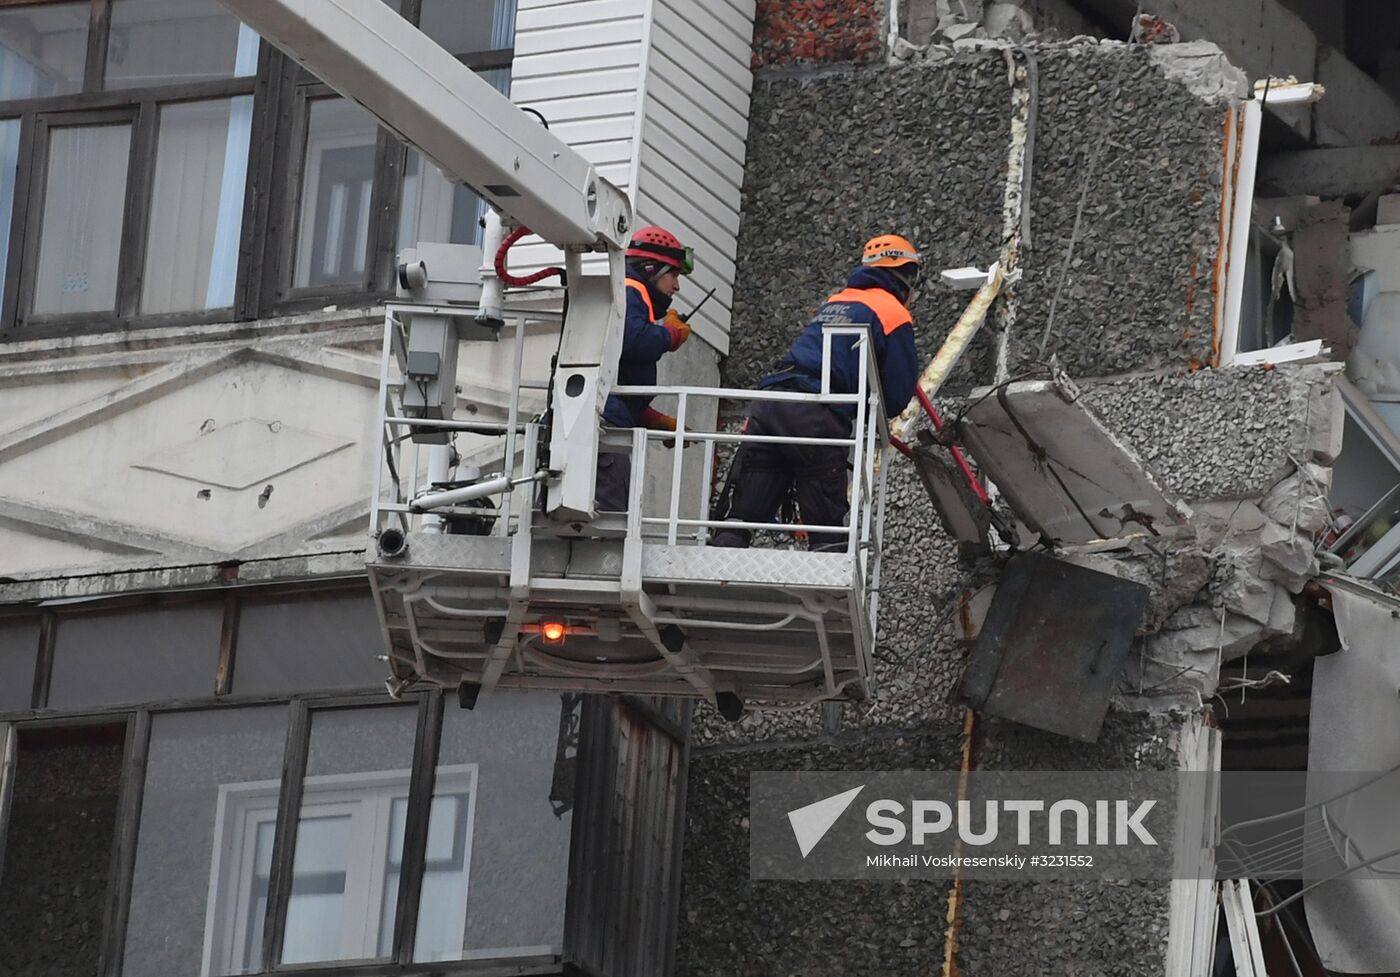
1061	470
1174	571
1289	559
964	516
1300	499
1053	645
1202	67
1331	173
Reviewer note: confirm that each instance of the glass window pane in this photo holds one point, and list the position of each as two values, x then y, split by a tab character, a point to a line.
80	237
336	183
496	874
462	26
357	769
165	42
431	207
121	657
19	650
320	643
58	849
197	205
43	49
9	162
205	842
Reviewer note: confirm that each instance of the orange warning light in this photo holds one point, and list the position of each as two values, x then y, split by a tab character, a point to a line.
553	631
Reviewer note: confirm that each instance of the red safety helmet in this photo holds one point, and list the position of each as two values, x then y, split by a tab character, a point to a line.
658	244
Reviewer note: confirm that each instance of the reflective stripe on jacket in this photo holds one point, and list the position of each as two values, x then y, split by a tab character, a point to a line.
868	300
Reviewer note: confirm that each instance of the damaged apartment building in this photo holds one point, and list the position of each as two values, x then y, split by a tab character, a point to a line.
1170	236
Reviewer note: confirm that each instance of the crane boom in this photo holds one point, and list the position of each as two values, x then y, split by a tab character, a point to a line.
371	55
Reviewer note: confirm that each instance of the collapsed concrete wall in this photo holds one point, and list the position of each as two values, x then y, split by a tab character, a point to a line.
837	154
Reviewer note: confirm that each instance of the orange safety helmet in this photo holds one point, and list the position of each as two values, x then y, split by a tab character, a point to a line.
658	244
889	251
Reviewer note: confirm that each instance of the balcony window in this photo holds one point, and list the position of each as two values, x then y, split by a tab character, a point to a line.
337	182
43	49
81	221
197	205
199	889
497	822
164	42
342	904
19	650
122	657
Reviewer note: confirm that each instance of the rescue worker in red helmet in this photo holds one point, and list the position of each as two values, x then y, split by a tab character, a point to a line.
765	475
656	260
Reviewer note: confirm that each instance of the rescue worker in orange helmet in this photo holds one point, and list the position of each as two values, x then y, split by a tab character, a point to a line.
876	296
656	260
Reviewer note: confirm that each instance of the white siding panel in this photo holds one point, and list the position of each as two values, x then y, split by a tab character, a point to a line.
695	123
654	93
576	37
576	87
571	62
702	105
686	169
533	16
599	128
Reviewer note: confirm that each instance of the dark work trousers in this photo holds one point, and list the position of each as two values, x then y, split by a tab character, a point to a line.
769	473
614	474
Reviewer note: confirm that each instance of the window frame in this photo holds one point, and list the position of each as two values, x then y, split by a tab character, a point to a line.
282	92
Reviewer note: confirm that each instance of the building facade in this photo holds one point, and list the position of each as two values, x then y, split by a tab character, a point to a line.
200	771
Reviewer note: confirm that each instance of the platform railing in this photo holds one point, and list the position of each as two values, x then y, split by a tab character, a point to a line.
867	442
406	472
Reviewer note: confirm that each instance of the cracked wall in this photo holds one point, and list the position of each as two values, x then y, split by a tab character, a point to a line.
839	153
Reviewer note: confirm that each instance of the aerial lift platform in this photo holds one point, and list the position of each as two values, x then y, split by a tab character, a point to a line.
489	564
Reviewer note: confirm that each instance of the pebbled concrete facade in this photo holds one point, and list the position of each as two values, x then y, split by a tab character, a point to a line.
921	148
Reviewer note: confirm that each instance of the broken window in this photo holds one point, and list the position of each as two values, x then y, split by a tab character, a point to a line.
1365	495
58	849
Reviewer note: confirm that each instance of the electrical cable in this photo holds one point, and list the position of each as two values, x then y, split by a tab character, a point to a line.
516	281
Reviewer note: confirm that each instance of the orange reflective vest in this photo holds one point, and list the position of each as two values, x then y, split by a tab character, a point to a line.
889	310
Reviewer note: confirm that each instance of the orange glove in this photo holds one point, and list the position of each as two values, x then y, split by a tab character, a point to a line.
677	327
657	421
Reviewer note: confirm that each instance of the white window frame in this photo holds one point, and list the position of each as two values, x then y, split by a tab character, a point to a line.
367	797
